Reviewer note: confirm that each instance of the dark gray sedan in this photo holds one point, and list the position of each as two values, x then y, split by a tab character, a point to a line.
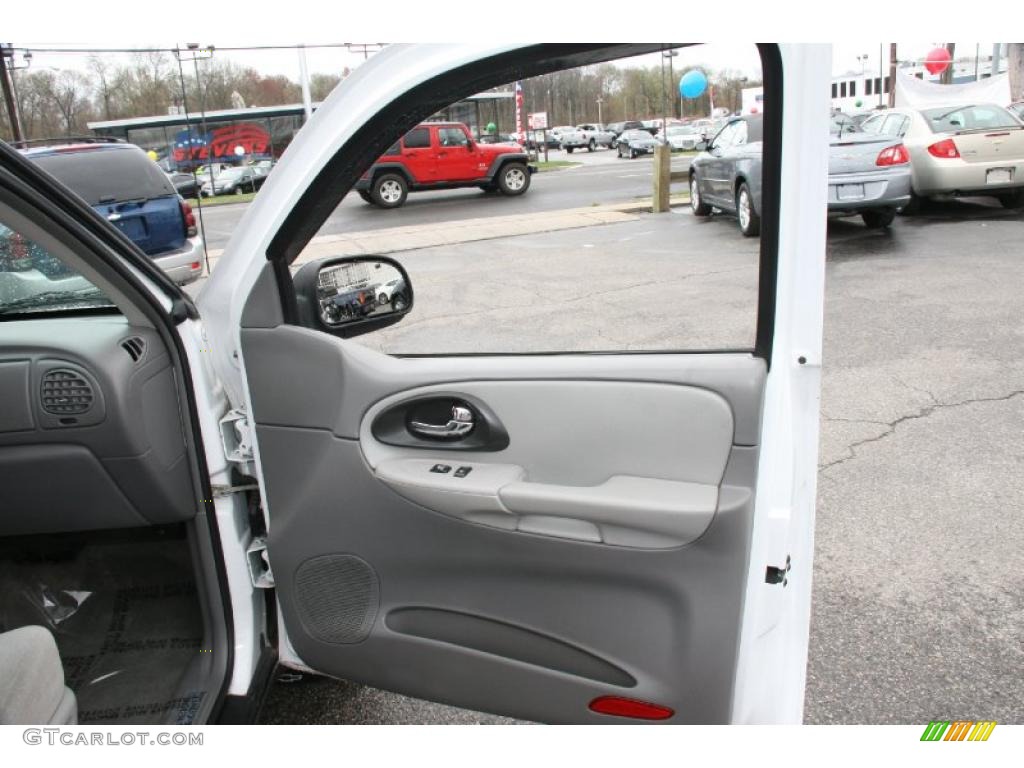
635	142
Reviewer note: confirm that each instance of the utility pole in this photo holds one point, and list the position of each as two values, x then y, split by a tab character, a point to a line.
892	74
947	75
600	101
6	52
881	72
307	101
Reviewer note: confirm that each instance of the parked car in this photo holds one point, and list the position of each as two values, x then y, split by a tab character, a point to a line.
727	175
588	136
184	183
262	167
683	138
128	189
211	171
960	150
626	125
868	174
635	142
234	181
443	156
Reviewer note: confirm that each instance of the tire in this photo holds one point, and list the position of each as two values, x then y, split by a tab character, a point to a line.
399	302
879	219
750	222
389	190
367	197
591	146
239	190
1013	199
513	179
569	149
632	154
697	204
382	299
618	150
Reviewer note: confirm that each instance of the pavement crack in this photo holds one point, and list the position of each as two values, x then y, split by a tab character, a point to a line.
922	413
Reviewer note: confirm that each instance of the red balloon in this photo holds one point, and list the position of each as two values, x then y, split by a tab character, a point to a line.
937	61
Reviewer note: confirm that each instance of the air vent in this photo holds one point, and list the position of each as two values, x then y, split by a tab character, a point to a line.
135	347
66	392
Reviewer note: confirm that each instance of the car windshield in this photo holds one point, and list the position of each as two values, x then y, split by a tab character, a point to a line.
104	175
973	117
636	135
34	280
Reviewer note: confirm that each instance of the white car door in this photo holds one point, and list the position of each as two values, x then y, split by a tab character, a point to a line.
632	539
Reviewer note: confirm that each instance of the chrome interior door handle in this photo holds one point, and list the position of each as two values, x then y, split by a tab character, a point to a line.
459	425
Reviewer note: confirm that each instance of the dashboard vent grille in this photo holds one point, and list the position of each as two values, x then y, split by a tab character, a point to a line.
135	347
66	392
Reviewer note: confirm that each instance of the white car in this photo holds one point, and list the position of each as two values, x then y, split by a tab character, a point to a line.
562	538
683	137
958	150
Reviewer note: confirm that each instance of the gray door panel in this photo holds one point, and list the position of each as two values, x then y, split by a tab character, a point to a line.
536	620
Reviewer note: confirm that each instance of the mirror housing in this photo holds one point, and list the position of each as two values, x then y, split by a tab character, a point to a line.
348	296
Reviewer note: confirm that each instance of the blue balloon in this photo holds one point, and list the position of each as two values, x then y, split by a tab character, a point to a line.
693	84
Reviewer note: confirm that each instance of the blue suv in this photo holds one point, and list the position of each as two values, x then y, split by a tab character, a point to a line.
120	182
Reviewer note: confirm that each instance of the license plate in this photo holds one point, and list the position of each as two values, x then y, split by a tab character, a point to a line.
999	176
850	192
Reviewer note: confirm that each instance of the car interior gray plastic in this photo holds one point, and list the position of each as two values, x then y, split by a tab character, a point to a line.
122	463
580	432
343	379
15	394
667	617
263	305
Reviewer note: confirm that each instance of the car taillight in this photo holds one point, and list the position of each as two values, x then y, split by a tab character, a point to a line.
896	155
190	220
945	149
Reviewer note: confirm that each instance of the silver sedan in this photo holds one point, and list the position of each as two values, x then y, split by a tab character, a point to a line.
966	150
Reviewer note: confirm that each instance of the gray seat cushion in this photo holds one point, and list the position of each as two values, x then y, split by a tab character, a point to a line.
32	690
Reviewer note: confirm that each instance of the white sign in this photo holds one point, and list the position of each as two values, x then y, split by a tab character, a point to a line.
537	120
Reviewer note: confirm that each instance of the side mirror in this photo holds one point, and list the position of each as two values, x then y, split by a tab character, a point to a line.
350	296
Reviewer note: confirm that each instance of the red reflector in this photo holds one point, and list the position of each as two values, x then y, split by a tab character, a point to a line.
195	265
621	707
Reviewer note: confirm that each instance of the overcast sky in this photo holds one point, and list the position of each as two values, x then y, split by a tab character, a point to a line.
733	56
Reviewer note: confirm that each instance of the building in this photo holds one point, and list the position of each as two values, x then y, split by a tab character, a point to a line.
182	142
857	92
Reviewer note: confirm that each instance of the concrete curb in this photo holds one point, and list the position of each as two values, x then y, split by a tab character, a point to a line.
397	239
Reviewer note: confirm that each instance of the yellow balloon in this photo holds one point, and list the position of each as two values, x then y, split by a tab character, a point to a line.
153	155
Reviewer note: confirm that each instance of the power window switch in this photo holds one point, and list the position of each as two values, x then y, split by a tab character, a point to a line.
442	469
462	471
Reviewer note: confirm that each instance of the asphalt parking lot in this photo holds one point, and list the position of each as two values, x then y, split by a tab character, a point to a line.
917	601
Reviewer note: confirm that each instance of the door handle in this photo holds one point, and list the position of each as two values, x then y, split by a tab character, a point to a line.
459	425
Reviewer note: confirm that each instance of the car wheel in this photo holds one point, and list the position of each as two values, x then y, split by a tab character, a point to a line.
569	149
399	302
632	154
1013	199
389	190
591	146
239	190
382	299
618	150
878	219
750	222
697	204
367	197
514	179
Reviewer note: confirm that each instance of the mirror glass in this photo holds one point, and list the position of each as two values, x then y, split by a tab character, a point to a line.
355	290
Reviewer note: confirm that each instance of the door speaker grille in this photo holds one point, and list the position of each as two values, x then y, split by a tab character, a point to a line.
337	598
65	392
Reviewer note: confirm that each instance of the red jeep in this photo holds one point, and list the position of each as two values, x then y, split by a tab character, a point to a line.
443	156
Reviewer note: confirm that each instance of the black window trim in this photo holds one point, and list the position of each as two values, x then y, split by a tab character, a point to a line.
341	172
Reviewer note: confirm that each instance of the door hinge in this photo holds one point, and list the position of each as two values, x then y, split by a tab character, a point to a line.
227	490
776	575
236	438
259	565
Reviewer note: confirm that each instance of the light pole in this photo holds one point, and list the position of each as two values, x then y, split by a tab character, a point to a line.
600	101
863	59
7	83
676	98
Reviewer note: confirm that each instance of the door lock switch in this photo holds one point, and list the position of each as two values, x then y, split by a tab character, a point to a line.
462	471
441	469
